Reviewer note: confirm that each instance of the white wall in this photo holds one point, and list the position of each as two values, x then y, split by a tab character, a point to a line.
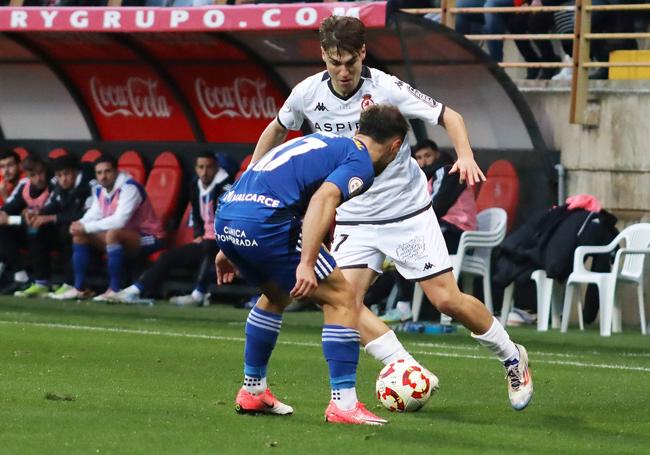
35	105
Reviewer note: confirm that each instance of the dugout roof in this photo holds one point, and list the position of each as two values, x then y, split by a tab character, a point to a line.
219	74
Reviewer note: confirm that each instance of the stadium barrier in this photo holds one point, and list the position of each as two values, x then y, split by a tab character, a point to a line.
581	38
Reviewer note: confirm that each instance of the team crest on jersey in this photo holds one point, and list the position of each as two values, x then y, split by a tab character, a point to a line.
354	185
366	101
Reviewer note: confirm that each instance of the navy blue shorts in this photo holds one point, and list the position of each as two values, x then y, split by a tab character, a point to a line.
265	252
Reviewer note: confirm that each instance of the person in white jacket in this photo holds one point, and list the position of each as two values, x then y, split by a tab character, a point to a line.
120	221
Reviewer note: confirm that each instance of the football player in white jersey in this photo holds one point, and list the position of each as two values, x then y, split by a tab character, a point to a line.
394	217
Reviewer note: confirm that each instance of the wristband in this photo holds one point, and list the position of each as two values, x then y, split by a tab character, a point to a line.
15	220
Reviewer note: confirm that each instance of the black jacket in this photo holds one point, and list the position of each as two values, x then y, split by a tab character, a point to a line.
548	242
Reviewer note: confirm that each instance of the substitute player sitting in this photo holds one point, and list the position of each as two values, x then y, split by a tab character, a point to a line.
259	230
394	218
121	221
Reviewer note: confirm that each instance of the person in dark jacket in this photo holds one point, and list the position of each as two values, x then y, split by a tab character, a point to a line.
48	224
212	181
452	201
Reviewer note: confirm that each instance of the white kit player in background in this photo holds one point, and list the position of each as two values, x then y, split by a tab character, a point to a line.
394	217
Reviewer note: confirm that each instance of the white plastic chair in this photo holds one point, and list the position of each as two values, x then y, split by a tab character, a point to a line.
492	224
549	301
628	267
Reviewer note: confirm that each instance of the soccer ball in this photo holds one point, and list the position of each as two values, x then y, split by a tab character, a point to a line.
403	387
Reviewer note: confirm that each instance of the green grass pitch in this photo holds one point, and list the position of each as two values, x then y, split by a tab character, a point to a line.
91	378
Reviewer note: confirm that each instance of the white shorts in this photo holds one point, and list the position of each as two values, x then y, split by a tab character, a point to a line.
415	245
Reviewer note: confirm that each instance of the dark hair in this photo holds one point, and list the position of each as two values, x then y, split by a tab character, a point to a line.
342	33
33	164
423	144
206	154
106	159
64	162
445	158
382	122
4	154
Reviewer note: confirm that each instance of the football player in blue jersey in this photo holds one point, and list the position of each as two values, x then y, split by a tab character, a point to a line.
270	227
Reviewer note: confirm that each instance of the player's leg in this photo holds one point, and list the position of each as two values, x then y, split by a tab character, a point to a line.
357	250
262	329
81	248
119	244
442	291
340	339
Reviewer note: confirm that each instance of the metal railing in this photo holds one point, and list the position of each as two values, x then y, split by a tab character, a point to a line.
581	37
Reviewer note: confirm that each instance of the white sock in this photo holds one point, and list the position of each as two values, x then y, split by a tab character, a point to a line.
496	339
197	295
345	399
21	276
403	307
133	289
387	349
254	385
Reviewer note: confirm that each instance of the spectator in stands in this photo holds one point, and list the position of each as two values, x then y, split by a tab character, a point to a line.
453	202
212	181
120	221
28	197
10	173
49	226
488	23
537	50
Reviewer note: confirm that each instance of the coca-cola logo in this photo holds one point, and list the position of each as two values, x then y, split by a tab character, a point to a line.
138	97
245	98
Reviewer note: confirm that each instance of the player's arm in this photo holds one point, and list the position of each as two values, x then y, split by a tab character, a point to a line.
272	136
130	199
467	168
316	223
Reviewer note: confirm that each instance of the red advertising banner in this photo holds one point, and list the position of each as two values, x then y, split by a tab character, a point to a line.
213	18
130	102
233	103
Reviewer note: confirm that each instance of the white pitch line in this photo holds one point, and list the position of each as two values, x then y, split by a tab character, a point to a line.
312	344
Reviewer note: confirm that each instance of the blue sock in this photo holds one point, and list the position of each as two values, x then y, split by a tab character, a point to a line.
80	260
341	350
140	286
115	265
262	330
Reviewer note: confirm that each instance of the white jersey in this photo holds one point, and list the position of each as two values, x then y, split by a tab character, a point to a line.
401	189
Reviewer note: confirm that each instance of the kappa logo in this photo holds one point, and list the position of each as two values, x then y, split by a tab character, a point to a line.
367	101
428	266
320	107
421	96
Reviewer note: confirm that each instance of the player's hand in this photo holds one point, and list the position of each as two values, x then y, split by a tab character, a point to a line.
306	282
40	220
198	239
468	171
225	269
4	218
76	228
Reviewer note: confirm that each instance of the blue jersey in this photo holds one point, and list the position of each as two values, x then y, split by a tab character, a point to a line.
279	186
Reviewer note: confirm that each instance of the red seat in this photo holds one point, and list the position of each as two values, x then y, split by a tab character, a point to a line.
90	156
164	185
243	166
57	153
183	235
501	189
131	163
22	152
